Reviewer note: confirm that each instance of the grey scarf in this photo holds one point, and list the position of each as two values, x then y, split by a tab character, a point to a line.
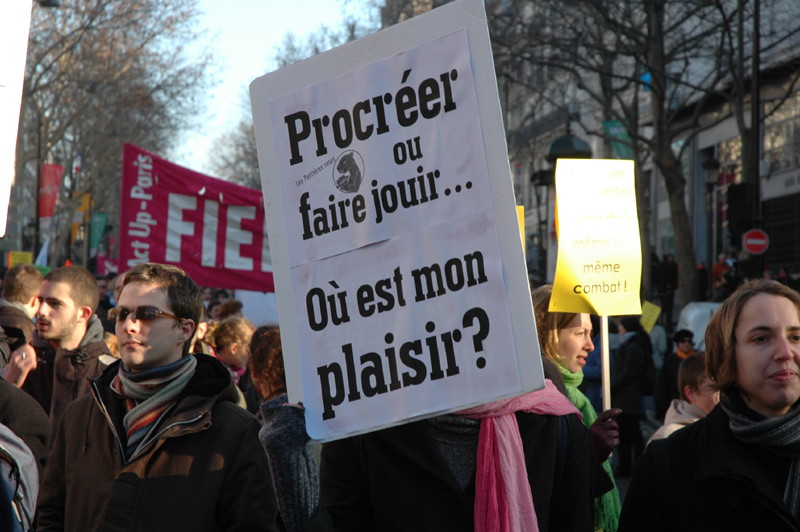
780	434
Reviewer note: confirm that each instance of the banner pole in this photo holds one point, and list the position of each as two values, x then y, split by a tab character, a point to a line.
606	372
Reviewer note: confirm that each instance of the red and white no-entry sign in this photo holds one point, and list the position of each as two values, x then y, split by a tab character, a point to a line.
755	241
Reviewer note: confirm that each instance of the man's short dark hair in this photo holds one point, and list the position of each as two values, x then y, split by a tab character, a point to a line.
83	288
183	293
691	372
631	323
21	283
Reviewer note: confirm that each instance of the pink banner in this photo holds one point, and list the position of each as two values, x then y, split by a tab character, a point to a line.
48	189
211	228
106	266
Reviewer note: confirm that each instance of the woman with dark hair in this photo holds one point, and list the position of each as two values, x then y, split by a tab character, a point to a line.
626	391
266	362
739	467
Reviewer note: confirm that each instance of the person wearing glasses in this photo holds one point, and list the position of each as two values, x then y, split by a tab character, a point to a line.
159	444
738	468
667	384
698	396
67	347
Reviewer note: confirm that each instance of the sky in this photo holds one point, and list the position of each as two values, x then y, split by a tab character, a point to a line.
243	35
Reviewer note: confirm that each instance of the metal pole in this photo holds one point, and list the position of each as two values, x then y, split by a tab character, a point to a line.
38	184
604	354
755	117
715	212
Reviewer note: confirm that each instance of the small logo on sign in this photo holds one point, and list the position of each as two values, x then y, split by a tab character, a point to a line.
349	172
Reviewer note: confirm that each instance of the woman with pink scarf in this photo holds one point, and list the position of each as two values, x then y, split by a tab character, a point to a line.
521	464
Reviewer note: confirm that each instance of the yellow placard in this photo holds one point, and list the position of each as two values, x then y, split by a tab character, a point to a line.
19	257
599	266
650	314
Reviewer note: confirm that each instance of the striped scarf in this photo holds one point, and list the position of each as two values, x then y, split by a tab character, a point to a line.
148	394
780	434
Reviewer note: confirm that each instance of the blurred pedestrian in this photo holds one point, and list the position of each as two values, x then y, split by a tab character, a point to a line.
19	305
232	343
231	308
626	389
266	367
658	338
213	312
667	383
719	269
702	281
670	277
67	349
697	396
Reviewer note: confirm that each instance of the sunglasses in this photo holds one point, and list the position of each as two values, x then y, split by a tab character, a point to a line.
120	314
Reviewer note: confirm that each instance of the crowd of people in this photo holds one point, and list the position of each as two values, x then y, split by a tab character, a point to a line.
148	403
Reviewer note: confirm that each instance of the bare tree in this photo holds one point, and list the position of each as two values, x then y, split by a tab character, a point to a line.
234	156
679	64
100	73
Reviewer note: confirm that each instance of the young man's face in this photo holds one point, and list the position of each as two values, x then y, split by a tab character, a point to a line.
149	344
58	316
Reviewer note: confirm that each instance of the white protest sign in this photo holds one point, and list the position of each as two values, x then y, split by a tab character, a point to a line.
401	286
14	28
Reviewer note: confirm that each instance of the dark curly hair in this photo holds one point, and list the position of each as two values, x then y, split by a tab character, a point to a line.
266	362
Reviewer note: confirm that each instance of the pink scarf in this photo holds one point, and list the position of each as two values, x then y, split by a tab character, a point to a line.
503	499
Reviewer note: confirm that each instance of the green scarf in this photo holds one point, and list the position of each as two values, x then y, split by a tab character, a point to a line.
606	507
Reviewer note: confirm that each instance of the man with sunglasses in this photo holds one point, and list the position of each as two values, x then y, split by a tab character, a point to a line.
160	443
67	347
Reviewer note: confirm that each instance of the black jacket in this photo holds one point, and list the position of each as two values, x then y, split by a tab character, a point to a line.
715	483
667	385
629	363
25	417
61	375
400	481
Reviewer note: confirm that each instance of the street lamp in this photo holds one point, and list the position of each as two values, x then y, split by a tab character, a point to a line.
710	178
565	147
39	161
541	181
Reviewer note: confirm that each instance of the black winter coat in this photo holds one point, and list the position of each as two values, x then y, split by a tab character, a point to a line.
667	385
715	483
25	417
404	483
629	365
